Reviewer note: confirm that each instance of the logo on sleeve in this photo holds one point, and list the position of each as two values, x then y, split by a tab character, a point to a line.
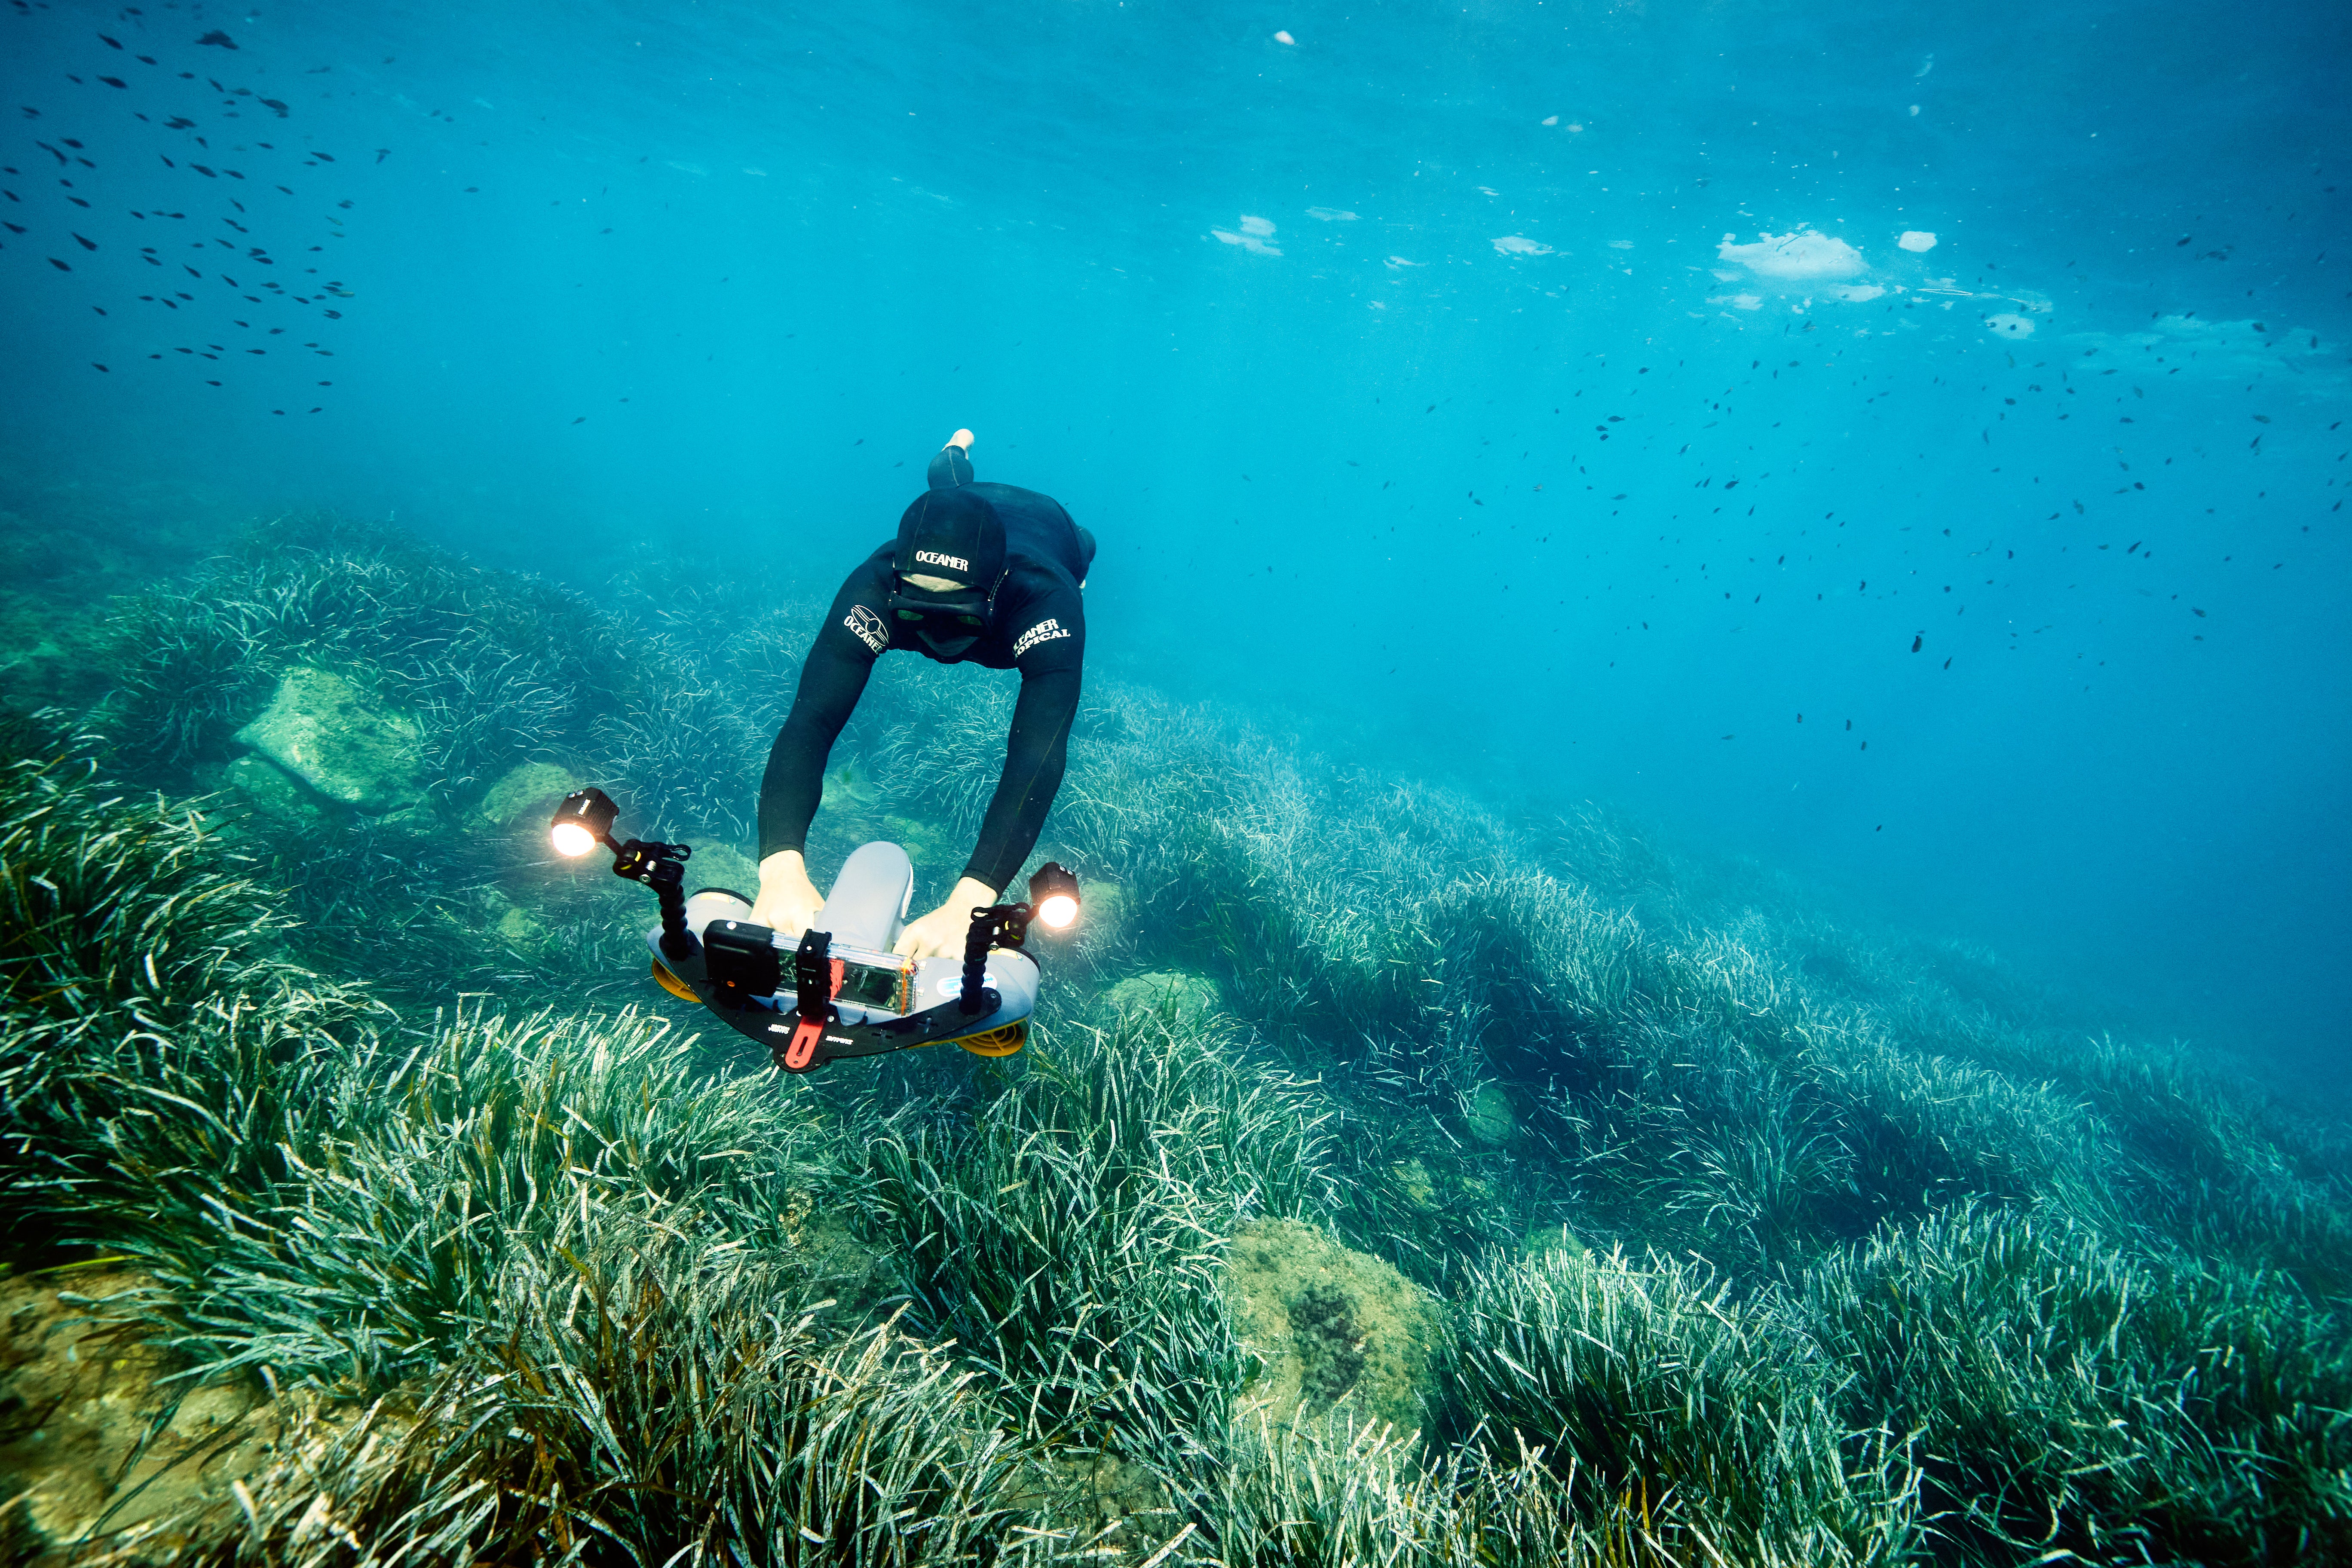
868	627
1046	630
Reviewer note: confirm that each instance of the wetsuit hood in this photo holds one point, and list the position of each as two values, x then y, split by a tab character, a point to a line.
951	534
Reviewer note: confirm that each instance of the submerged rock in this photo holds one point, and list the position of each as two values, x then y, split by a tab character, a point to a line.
271	791
851	784
326	733
76	1401
1489	1114
927	846
1186	995
721	866
1554	1239
1413	1180
1103	910
1326	1324
525	797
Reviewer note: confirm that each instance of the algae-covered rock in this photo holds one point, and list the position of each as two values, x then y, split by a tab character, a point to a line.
1553	1238
325	731
929	849
1488	1113
723	865
1413	1180
1327	1323
79	1461
852	785
526	796
1185	995
271	791
518	928
1102	909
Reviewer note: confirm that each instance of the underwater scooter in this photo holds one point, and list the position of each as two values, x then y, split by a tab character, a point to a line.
849	995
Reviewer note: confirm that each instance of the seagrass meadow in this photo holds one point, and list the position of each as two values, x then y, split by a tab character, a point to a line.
1389	1181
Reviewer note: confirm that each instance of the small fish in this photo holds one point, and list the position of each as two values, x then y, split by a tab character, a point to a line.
581	420
1915	642
114	81
217	39
381	154
109	43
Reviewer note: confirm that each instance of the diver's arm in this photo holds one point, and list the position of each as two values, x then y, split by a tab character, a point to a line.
1033	760
1035	752
832	679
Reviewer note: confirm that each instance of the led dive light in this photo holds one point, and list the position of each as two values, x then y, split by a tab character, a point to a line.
1053	895
584	821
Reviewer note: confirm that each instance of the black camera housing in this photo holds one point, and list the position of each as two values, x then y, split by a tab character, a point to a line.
742	961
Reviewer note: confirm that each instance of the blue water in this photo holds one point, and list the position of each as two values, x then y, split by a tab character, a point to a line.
1316	316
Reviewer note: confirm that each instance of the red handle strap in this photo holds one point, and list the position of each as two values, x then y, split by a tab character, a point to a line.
803	1049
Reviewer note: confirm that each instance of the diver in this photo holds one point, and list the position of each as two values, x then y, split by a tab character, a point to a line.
979	573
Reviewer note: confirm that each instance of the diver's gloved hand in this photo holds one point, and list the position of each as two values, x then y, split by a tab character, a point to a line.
940	934
788	901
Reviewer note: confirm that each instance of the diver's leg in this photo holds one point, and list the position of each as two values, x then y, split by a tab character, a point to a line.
952	466
869	899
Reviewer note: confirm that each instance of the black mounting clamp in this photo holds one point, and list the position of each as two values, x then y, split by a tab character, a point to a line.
585	820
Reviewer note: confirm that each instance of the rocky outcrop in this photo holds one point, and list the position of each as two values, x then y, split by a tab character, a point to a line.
271	791
1185	996
327	732
1326	1324
84	1475
525	797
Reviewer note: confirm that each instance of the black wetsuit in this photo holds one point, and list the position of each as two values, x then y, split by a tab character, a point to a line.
1037	626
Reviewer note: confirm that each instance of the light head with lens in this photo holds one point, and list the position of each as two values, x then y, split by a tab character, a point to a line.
1053	895
1053	899
584	821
